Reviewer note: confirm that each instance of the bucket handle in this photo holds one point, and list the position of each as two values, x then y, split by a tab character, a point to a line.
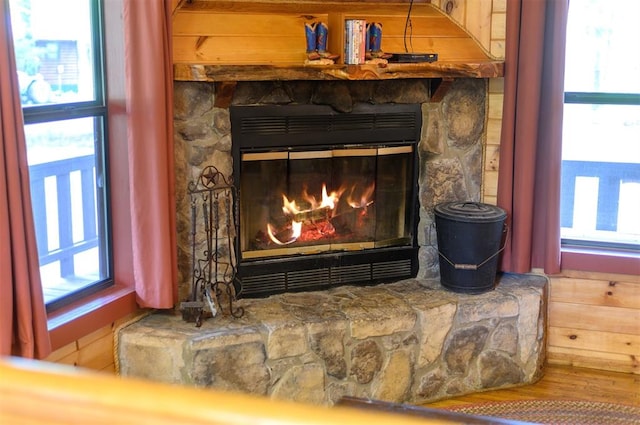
477	266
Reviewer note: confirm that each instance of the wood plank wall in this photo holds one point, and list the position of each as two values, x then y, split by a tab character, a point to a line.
594	321
94	351
588	327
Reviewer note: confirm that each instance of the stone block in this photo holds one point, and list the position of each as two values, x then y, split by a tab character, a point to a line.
286	341
436	323
395	378
302	383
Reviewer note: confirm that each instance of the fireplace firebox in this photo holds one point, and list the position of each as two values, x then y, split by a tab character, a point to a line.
325	198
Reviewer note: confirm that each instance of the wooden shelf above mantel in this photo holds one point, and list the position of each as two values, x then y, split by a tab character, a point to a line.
224	40
391	71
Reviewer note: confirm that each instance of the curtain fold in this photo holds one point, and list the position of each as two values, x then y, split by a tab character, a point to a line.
23	319
149	85
530	146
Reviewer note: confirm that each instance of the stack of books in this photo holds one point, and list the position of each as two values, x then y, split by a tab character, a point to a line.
355	40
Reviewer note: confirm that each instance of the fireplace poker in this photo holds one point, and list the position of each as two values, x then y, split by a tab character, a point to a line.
193	309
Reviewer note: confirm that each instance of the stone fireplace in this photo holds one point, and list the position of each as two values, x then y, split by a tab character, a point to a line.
449	148
404	340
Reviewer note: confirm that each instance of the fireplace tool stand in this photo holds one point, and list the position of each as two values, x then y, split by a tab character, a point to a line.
213	227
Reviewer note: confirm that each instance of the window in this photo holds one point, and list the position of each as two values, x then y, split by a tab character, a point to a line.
600	202
59	55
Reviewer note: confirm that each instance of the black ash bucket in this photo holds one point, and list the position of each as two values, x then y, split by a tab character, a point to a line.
469	242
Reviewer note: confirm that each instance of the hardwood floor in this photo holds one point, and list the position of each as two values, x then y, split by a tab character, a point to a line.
564	382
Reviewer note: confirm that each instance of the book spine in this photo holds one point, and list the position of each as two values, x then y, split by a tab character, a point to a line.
352	41
352	51
357	36
347	41
362	34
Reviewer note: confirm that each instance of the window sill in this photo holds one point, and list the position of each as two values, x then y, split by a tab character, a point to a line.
600	260
90	314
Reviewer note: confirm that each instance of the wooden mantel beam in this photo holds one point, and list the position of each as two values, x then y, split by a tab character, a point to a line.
391	71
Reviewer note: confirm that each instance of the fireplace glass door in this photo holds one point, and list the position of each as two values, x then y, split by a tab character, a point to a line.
325	200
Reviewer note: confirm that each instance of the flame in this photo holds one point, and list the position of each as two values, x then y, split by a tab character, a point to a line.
330	200
289	207
364	198
296	231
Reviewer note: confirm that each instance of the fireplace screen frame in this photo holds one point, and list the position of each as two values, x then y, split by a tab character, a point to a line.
278	128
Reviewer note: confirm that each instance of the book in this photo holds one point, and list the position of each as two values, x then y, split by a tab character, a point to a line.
355	41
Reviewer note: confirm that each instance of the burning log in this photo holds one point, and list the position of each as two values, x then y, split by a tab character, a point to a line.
318	214
349	220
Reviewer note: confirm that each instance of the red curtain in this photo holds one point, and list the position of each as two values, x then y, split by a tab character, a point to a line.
149	86
530	147
23	319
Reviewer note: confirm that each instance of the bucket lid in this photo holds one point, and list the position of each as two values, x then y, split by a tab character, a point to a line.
474	212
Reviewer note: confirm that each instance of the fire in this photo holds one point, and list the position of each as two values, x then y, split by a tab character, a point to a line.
365	198
289	208
329	201
296	231
318	216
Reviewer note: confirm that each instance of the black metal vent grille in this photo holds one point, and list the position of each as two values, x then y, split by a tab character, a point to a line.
350	274
324	277
390	269
302	124
306	279
264	125
264	283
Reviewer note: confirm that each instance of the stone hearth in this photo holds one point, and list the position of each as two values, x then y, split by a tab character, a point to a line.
411	341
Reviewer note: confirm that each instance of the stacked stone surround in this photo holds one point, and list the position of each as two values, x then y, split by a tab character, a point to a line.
410	341
450	148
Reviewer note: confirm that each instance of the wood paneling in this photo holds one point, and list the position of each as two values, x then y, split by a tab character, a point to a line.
478	21
593	359
93	351
610	293
266	38
594	321
242	33
581	339
595	317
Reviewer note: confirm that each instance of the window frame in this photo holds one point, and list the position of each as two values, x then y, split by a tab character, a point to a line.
96	109
103	308
593	256
600	98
